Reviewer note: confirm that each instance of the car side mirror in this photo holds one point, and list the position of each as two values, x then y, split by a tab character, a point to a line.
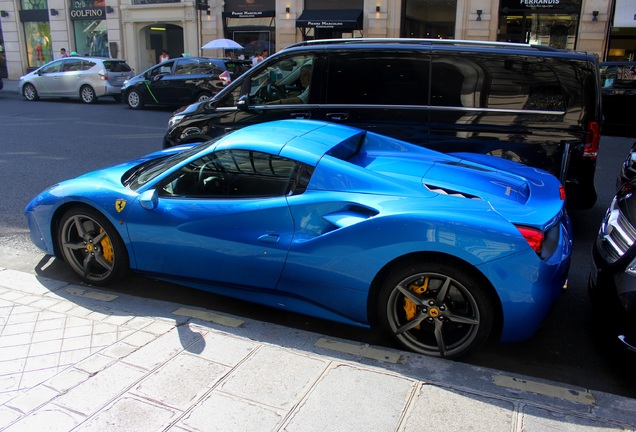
243	103
149	199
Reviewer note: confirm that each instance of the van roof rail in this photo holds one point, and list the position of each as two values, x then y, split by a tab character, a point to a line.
421	41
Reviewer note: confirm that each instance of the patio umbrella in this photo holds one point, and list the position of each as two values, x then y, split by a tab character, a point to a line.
222	43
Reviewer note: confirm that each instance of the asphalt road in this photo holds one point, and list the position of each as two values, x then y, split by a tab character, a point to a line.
47	141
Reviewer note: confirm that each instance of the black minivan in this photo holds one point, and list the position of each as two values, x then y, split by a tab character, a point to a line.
532	104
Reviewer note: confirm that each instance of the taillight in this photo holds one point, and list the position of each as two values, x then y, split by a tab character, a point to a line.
534	237
562	192
102	75
226	77
592	139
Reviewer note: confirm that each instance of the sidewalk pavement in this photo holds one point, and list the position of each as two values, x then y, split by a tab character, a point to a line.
10	85
77	358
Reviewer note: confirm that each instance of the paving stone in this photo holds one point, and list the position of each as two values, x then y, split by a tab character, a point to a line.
95	363
224	413
67	379
32	399
289	377
161	349
47	419
181	381
223	348
538	420
8	416
129	414
100	389
351	399
458	411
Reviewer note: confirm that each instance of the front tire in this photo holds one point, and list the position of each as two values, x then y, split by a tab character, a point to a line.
92	247
436	309
87	94
134	100
30	93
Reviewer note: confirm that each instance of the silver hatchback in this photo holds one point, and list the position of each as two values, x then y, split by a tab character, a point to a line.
87	78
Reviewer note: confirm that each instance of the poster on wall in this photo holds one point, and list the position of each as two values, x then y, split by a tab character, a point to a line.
625	14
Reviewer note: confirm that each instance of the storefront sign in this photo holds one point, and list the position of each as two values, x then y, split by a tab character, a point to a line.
539	4
249	14
88	13
325	24
625	15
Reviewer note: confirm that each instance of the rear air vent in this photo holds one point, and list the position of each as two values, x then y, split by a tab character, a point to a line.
450	192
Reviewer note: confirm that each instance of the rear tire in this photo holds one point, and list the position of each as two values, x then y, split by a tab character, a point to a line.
87	94
437	309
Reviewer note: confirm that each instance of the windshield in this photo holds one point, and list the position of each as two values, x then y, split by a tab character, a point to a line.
150	170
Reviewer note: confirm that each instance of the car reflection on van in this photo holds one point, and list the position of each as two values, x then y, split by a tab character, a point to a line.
618	80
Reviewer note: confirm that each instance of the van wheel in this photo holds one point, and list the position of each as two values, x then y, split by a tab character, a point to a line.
30	93
134	101
203	97
87	94
436	309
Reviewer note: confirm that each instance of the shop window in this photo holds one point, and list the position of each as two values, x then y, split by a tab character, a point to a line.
431	19
38	36
91	38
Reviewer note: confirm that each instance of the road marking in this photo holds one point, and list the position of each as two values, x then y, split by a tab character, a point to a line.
93	295
359	350
209	316
545	389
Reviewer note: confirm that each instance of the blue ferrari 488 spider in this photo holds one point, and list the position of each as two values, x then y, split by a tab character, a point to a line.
441	251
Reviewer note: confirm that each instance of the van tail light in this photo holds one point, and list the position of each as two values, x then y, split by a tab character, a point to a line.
534	237
592	139
225	77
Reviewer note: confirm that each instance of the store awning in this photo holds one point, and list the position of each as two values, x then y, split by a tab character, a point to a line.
339	19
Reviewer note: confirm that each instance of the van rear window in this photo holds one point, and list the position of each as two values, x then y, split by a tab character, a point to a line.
495	82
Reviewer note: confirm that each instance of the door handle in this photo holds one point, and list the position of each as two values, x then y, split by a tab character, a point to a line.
269	238
338	116
300	115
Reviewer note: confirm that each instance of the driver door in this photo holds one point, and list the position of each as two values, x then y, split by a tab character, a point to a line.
158	87
267	93
219	220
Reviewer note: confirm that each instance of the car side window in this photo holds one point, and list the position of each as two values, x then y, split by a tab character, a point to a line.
238	174
496	82
618	76
72	64
87	64
52	68
165	68
378	78
211	68
287	80
186	67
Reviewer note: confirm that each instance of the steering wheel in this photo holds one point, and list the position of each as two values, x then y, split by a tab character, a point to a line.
203	183
276	92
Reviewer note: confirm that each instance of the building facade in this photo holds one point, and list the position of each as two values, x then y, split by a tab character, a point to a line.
32	32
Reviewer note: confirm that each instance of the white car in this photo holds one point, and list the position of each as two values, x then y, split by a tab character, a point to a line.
87	78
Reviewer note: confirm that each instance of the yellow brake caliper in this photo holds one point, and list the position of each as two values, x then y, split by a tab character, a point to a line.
411	308
107	247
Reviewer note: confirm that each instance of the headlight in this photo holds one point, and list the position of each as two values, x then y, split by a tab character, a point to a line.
175	120
631	268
